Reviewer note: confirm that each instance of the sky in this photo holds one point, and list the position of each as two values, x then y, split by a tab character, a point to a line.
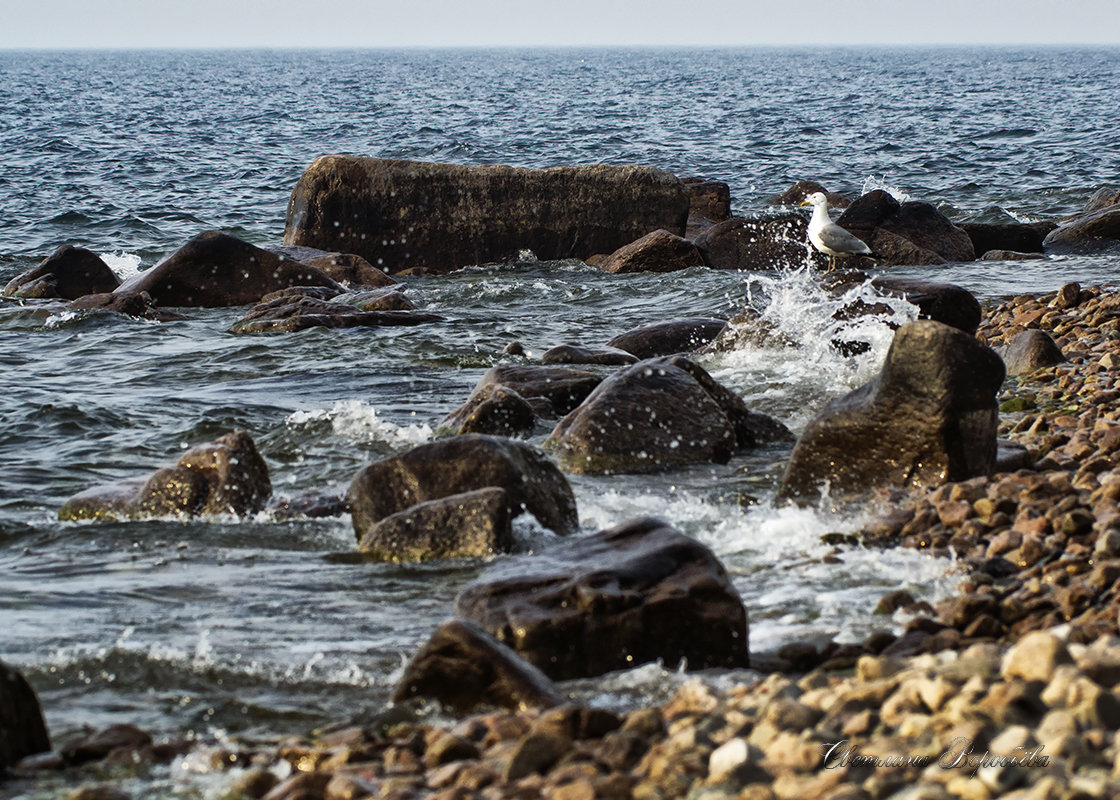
66	24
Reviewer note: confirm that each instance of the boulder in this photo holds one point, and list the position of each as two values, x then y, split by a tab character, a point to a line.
941	302
796	194
1097	229
440	217
493	409
468	525
930	416
216	270
68	273
907	233
348	269
632	594
587	354
23	731
131	304
563	387
658	414
287	314
1016	237
1011	255
462	464
227	476
98	745
708	199
1030	350
659	251
1102	198
667	338
383	299
463	667
759	244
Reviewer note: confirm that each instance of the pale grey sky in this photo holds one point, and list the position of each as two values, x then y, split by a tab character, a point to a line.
440	23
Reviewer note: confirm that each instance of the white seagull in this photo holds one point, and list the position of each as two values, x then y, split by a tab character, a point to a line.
828	237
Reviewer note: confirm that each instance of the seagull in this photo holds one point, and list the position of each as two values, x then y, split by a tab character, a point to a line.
828	237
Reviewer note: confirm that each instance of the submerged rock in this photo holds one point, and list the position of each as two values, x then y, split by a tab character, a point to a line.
68	273
930	416
463	667
796	194
659	251
131	304
287	314
1097	228
668	338
1014	236
905	233
227	476
941	302
631	594
23	732
440	217
570	353
216	270
463	464
658	414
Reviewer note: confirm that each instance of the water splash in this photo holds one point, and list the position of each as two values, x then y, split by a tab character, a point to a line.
357	421
124	265
871	183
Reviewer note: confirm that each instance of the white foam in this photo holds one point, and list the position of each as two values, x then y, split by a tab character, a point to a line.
357	421
801	313
124	265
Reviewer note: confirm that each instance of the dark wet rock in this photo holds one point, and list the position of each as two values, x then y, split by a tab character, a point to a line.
658	414
563	387
468	525
1030	350
463	667
1011	255
492	409
1014	236
670	337
227	476
588	354
381	300
313	292
930	416
1102	198
23	732
131	304
940	302
708	199
759	244
440	217
628	595
216	270
461	464
348	269
906	233
68	273
100	744
659	251
287	314
1093	230
1011	457
313	504
796	194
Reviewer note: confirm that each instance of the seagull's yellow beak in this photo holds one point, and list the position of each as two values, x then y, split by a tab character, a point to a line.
805	203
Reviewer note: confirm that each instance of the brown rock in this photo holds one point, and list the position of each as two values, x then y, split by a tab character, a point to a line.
69	272
439	217
659	251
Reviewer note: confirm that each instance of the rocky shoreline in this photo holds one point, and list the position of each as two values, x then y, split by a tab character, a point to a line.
1008	689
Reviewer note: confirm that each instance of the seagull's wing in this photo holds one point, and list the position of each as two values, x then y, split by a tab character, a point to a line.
839	240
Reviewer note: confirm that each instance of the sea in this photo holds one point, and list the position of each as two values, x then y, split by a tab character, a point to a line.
239	632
